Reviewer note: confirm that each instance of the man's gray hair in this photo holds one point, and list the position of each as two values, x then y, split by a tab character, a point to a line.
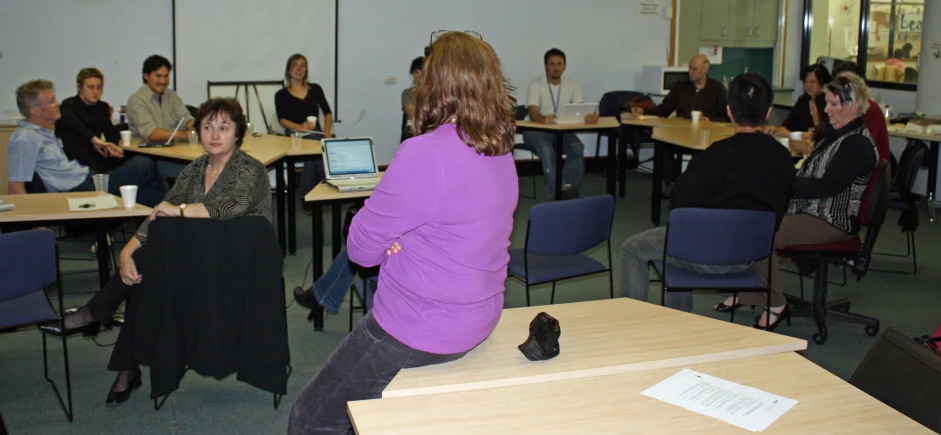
27	94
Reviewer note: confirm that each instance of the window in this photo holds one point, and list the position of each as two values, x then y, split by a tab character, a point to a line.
882	36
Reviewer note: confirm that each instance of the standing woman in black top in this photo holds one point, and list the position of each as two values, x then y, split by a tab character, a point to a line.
815	77
294	103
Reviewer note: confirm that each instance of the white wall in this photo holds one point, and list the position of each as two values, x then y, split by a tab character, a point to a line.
604	41
54	39
251	40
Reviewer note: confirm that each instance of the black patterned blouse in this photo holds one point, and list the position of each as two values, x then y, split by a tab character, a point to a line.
242	189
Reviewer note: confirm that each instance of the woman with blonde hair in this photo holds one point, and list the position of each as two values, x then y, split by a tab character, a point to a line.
439	224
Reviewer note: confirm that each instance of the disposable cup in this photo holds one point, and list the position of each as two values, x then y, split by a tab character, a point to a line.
129	195
126	138
695	115
101	183
704	137
296	138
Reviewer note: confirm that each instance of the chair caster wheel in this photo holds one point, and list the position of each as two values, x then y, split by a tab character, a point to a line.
820	337
872	330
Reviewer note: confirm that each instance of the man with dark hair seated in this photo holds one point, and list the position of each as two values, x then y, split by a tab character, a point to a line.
35	149
748	171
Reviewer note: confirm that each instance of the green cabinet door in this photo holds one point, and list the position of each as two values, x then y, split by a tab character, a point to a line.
764	20
714	21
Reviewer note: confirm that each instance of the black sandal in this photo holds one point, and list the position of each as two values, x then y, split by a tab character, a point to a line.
723	308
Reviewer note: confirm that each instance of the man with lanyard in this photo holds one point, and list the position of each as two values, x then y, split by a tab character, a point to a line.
545	99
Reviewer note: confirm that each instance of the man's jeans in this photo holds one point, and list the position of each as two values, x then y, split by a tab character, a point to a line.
139	171
544	144
359	369
330	289
635	275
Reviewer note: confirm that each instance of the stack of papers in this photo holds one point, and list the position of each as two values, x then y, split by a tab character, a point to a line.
746	407
6	205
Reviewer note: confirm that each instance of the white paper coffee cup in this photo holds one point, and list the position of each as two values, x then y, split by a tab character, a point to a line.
129	195
312	120
125	138
797	135
695	115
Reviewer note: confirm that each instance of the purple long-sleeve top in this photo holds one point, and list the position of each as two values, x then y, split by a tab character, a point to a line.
451	210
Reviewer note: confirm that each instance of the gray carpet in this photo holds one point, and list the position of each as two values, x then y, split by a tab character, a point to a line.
205	405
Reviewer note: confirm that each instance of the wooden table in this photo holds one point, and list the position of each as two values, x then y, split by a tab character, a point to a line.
321	195
631	124
598	338
604	123
685	139
614	404
53	209
270	150
932	158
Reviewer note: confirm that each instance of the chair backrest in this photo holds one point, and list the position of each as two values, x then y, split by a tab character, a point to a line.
611	102
36	185
561	228
875	199
27	262
274	126
521	112
909	163
904	375
719	237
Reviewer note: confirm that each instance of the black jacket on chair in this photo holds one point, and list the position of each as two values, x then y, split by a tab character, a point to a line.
212	300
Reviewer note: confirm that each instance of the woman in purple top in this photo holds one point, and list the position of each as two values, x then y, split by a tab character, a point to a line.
439	223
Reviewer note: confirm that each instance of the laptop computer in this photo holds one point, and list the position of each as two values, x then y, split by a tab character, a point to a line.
350	163
168	143
574	113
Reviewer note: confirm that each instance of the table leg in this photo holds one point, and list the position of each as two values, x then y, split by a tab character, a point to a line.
317	245
622	156
337	225
656	181
932	178
102	252
292	206
279	199
613	139
558	165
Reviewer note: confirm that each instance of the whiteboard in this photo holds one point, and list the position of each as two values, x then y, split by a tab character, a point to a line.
251	40
605	41
54	39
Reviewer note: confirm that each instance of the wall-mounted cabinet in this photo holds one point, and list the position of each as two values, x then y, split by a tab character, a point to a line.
735	22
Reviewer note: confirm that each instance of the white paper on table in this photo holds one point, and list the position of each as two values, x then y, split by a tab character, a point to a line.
92	203
746	407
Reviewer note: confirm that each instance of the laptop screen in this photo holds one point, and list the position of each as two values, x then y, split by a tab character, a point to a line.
349	156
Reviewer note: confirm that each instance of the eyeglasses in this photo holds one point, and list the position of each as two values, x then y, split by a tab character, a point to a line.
438	33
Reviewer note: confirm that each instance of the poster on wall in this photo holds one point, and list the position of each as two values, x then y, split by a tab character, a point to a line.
648	9
934	52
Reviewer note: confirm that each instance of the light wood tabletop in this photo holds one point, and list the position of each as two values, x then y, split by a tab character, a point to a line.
598	338
267	149
908	134
689	136
324	192
614	404
604	122
39	207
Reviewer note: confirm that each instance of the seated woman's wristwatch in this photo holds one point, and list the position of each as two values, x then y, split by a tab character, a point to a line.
182	209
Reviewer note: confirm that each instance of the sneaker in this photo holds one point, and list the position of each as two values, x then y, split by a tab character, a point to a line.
569	192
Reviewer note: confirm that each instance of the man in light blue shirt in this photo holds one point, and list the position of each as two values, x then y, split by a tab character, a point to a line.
35	149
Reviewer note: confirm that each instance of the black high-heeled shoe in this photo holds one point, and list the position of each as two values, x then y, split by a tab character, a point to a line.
784	315
119	397
723	308
54	327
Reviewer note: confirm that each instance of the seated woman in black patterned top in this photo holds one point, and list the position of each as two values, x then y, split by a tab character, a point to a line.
223	184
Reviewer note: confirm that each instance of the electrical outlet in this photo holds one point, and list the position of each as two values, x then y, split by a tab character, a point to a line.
390	80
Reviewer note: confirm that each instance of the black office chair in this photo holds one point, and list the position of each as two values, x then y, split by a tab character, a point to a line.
611	105
901	198
521	113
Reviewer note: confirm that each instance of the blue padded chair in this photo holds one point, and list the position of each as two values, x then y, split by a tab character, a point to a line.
716	237
557	234
901	198
27	267
521	113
